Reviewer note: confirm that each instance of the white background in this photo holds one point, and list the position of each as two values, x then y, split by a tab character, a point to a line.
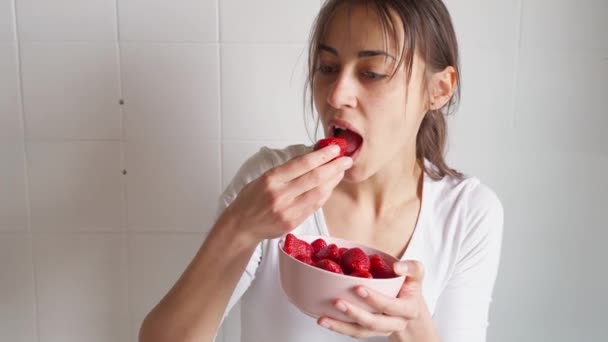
85	250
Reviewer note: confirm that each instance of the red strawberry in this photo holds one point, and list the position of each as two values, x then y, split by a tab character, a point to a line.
330	252
305	259
353	260
361	274
332	141
341	251
379	268
330	266
318	245
294	246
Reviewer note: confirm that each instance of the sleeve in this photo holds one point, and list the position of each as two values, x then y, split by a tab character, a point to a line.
461	313
253	168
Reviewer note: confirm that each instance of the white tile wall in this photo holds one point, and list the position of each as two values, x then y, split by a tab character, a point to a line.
486	23
268	81
86	250
66	20
566	25
13	204
82	287
561	96
170	90
155	262
7	29
18	310
172	185
76	186
61	101
274	21
10	103
175	21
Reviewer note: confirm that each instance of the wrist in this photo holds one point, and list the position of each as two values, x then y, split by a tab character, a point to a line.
420	329
228	224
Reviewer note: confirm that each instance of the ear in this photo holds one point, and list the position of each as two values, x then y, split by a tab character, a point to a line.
441	87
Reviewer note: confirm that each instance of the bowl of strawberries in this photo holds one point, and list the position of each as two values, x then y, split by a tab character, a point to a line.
315	271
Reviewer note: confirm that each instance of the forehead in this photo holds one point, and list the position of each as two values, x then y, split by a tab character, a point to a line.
361	27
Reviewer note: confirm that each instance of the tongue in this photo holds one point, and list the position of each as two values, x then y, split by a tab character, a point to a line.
353	140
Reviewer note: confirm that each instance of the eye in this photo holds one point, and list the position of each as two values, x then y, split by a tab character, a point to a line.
327	69
373	76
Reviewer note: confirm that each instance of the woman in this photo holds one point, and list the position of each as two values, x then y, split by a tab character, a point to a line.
382	74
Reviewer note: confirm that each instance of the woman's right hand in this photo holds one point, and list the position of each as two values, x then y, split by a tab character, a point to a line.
283	197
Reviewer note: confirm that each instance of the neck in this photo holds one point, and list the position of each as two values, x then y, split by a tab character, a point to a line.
396	184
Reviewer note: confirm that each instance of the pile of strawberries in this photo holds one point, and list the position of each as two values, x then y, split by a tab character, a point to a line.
350	261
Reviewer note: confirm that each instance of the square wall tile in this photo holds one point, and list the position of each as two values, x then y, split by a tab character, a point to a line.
485	23
82	287
7	22
71	90
76	186
156	261
18	309
172	185
269	85
235	153
66	20
561	99
481	128
13	202
171	90
567	25
10	102
175	21
266	20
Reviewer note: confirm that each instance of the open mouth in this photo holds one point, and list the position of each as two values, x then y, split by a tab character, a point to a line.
353	139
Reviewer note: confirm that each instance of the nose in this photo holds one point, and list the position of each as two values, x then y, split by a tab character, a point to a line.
343	92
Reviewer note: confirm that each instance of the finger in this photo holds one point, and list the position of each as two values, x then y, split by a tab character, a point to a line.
314	198
414	275
298	166
319	176
388	305
349	329
304	205
368	320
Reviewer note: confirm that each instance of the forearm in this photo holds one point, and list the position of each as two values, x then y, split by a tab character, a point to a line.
418	330
194	307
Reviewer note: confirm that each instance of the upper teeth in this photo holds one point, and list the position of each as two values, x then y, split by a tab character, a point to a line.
338	127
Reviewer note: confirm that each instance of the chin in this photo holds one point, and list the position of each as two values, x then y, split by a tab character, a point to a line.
355	175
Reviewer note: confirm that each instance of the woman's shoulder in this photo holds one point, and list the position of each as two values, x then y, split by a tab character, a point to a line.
475	204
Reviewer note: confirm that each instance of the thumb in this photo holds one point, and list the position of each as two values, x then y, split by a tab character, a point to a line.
414	275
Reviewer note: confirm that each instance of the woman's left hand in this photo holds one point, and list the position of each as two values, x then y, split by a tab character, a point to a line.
395	315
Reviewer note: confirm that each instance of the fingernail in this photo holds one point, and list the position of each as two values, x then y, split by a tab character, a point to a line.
400	268
348	161
362	292
334	150
325	324
340	306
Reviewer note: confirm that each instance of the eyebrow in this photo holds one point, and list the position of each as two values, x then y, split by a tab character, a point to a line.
361	54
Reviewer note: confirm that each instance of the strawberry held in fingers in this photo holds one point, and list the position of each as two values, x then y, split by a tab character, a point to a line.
341	142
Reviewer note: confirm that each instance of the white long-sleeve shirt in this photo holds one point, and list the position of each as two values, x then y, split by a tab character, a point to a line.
457	238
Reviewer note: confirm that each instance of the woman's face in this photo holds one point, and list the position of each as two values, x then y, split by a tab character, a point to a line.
353	91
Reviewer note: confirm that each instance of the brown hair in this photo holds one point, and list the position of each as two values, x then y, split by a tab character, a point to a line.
428	29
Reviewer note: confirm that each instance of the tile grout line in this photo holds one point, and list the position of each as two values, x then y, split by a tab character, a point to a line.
26	169
220	121
125	243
